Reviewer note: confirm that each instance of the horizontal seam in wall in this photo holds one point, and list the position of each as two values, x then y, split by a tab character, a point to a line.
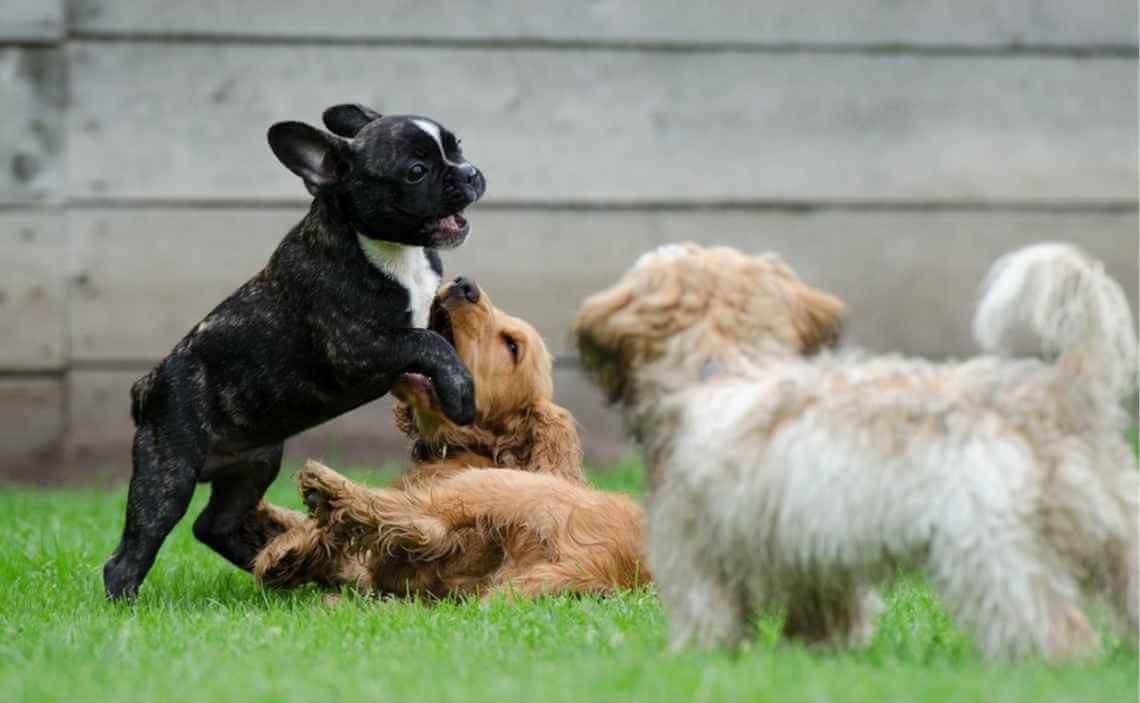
134	365
32	374
567	361
1129	206
1108	50
32	42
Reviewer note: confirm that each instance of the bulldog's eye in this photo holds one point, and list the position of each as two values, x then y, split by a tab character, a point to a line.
512	347
416	173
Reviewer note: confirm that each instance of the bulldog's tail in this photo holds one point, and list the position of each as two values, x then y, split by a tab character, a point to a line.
1055	302
140	391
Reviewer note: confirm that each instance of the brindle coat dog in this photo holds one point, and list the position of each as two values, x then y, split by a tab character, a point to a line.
336	316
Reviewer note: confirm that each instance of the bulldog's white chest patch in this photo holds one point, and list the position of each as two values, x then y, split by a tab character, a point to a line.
408	266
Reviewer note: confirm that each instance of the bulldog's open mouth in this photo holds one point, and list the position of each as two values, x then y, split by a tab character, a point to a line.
453	224
449	231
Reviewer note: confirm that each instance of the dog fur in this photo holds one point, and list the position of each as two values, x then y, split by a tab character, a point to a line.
446	528
517	423
330	322
785	475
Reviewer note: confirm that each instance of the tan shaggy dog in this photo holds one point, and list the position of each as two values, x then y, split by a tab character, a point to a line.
782	474
524	521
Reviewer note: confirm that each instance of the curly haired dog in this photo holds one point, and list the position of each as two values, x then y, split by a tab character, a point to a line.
782	474
523	521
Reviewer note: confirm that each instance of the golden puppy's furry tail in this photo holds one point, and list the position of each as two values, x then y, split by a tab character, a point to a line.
1055	302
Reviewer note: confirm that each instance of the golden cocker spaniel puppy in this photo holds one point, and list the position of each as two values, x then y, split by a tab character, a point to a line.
499	506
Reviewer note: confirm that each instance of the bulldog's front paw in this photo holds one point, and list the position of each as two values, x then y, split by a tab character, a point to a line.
458	398
416	390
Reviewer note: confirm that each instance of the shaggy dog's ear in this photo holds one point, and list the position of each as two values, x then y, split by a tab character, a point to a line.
818	319
554	445
600	339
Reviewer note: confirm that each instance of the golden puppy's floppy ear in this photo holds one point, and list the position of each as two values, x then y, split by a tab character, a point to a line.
554	445
405	418
818	318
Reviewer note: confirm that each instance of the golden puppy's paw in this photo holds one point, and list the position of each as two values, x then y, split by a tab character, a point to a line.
280	563
318	485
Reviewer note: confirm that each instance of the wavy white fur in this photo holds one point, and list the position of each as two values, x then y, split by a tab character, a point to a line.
803	481
1053	301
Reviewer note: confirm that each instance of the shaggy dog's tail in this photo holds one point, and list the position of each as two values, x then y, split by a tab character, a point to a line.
1055	302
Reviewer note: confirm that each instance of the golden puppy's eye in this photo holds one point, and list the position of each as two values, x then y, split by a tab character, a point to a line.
512	347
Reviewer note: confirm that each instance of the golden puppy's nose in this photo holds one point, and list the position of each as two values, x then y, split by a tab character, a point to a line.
464	288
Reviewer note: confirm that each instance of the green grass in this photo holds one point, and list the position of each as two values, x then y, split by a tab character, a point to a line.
202	631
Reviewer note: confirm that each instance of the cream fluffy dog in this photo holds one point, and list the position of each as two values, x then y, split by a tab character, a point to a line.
784	475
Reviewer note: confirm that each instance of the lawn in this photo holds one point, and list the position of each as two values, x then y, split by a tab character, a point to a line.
203	631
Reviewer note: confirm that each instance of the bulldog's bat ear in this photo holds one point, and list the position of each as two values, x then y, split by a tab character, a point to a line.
348	119
319	158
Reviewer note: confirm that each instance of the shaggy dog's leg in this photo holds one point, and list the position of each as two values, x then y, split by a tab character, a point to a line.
1084	531
1123	584
1015	598
705	607
1121	570
840	617
708	610
1090	518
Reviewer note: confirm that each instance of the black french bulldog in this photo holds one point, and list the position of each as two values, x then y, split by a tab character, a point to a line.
336	316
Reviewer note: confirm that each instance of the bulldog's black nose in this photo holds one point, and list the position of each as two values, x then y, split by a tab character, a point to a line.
464	287
467	173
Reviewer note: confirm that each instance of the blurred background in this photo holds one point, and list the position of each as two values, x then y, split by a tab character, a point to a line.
890	150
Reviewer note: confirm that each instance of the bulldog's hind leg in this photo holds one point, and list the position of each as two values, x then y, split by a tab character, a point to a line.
233	496
166	465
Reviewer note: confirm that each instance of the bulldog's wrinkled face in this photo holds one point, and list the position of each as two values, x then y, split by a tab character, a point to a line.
400	178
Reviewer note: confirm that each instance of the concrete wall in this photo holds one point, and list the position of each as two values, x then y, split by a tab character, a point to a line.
889	150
